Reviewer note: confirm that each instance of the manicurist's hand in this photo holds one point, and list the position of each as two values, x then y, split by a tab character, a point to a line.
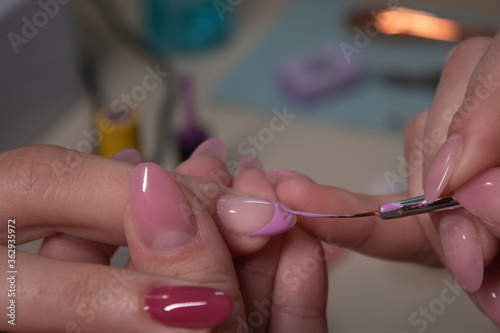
454	150
282	279
80	203
181	275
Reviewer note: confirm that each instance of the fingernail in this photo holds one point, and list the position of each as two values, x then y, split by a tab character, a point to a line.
129	155
254	217
442	167
462	250
480	195
487	298
157	204
248	162
274	176
212	147
188	307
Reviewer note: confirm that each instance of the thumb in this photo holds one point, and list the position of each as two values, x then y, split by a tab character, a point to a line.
473	136
166	239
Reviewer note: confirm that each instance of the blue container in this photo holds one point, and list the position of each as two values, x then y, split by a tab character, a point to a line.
185	25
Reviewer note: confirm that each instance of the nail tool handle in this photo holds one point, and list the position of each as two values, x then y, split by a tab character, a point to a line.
415	206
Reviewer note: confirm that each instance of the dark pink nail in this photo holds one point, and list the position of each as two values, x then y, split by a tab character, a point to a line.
188	307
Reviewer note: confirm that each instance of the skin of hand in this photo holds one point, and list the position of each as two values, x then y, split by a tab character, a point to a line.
453	149
79	203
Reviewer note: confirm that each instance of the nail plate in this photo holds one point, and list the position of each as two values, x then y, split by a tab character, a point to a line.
442	167
480	196
188	307
274	176
212	147
248	162
487	296
156	202
129	155
254	217
462	249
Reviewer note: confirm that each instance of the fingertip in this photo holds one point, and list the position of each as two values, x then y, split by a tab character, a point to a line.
212	147
130	155
276	175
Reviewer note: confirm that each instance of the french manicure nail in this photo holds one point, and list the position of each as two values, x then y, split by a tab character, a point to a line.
129	155
274	176
248	162
156	203
462	250
212	147
442	167
254	217
188	307
480	196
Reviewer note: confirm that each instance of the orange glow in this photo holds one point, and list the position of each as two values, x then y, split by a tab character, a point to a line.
417	23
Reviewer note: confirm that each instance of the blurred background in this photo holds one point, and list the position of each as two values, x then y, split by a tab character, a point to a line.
325	88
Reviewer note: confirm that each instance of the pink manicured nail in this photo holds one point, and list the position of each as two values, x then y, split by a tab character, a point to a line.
248	162
188	307
480	195
254	217
157	204
212	147
462	249
129	155
442	167
487	296
274	176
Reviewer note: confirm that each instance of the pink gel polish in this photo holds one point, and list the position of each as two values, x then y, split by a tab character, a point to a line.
282	221
390	207
249	216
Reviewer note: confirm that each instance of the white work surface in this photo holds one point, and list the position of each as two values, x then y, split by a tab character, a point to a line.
366	295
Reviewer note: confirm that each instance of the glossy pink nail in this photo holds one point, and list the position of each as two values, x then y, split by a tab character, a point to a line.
274	176
442	167
487	296
248	162
212	147
188	307
462	249
156	203
129	155
481	195
254	217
